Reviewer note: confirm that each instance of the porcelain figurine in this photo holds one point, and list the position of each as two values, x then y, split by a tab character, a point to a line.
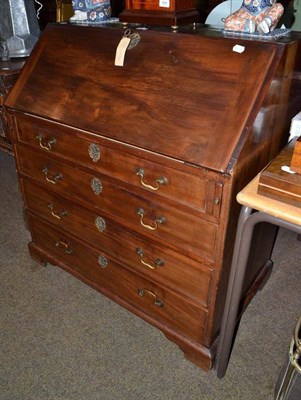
255	15
91	10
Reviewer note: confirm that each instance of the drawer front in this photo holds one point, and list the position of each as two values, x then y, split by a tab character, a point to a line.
192	189
156	220
99	270
146	258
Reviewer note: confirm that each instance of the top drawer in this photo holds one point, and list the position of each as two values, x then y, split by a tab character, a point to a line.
163	176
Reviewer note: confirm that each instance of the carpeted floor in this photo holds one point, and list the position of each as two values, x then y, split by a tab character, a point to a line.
61	340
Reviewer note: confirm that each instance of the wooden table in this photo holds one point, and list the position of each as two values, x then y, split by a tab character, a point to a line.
9	71
256	208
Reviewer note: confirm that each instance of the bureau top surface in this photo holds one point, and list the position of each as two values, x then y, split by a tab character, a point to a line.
186	96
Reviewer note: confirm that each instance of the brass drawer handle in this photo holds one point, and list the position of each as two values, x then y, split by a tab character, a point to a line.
58	215
157	302
158	221
61	243
158	261
44	143
52	179
160	181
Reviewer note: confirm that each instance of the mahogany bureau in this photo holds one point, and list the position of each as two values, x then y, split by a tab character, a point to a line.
129	174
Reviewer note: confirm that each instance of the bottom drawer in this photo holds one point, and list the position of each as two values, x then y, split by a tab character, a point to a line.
98	269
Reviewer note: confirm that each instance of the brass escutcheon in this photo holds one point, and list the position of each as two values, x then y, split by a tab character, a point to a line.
134	38
100	224
103	261
96	186
94	152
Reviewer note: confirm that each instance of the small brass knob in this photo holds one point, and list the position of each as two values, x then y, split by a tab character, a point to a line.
103	261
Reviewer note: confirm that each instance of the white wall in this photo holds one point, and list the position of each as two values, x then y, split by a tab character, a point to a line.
297	23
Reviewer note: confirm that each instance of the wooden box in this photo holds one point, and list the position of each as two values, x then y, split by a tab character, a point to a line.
129	174
160	12
278	181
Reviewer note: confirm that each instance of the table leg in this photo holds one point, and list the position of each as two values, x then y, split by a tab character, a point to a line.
246	224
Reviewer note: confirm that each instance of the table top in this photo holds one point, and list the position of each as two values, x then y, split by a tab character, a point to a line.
250	198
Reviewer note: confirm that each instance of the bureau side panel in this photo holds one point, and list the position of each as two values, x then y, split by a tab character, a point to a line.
267	135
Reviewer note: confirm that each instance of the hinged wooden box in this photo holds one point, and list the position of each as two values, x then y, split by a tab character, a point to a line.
279	182
160	12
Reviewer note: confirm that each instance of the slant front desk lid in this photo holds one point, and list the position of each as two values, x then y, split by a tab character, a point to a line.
186	96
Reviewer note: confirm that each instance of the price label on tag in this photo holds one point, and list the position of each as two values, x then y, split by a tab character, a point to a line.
120	51
164	3
238	48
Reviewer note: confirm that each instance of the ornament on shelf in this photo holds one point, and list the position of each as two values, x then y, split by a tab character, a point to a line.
260	16
91	11
19	26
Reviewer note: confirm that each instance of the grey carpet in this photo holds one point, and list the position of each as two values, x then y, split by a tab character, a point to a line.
62	340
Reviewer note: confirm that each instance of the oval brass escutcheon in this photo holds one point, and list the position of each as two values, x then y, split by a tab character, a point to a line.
100	224
94	152
134	38
102	261
96	186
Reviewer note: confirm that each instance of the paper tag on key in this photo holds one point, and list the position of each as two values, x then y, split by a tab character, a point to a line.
120	51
